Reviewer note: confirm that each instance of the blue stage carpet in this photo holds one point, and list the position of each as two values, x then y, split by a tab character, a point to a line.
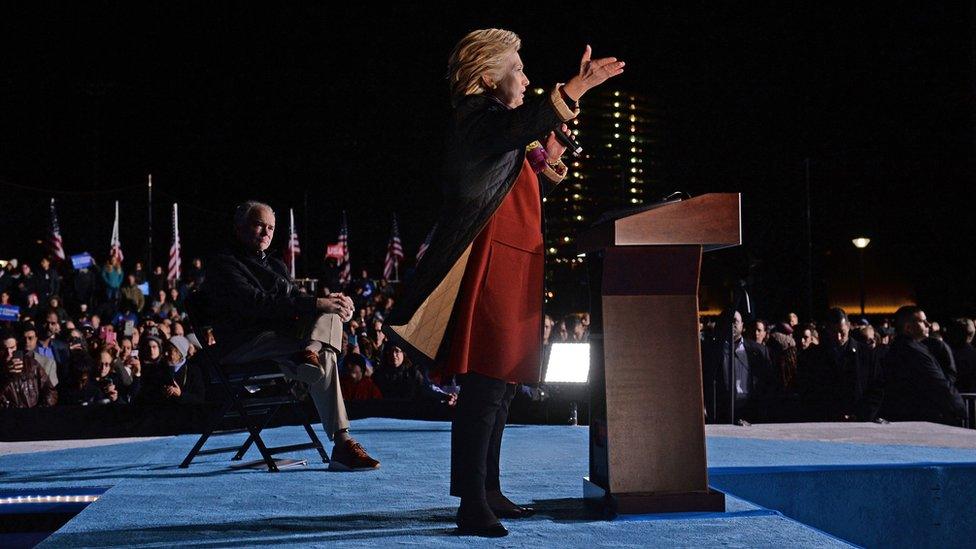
152	503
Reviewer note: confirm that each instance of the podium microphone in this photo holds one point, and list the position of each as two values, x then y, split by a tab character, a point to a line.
566	139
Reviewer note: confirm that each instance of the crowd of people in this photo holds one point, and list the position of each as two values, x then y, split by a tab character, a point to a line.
899	369
94	337
107	336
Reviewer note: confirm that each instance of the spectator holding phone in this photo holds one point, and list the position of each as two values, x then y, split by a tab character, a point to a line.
23	383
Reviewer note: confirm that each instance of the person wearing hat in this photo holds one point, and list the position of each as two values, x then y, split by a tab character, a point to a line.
174	378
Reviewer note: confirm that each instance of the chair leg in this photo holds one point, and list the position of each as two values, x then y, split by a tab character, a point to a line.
211	426
317	442
256	436
247	443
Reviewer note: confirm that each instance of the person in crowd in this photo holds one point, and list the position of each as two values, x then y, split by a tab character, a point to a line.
806	336
255	305
792	320
132	294
575	328
54	306
916	387
174	379
757	330
158	282
783	357
355	384
943	354
139	271
83	287
105	379
23	383
398	378
959	335
48	280
195	275
77	387
112	278
493	203
840	380
29	334
740	366
49	345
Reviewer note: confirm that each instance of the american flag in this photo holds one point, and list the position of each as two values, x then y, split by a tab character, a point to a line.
345	276
426	243
394	252
53	243
292	250
174	251
116	251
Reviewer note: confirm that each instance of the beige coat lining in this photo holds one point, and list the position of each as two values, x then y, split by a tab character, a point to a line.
425	329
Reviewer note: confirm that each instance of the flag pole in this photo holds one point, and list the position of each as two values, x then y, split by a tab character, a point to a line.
291	235
149	249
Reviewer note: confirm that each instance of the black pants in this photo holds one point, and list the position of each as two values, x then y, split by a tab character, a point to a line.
476	434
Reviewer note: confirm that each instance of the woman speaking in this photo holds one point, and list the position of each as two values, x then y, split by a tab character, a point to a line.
475	304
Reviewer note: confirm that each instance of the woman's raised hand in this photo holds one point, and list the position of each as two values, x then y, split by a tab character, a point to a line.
592	73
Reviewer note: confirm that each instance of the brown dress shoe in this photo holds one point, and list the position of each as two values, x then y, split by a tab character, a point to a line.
308	356
350	456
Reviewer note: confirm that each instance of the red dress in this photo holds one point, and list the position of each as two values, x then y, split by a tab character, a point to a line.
498	317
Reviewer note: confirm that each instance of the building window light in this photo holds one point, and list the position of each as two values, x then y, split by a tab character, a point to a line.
633	189
565	239
633	139
576	174
575	132
633	129
616	125
633	118
576	197
633	170
579	218
552	251
609	145
633	201
633	160
616	115
576	164
616	94
633	106
539	91
616	104
633	180
616	136
633	149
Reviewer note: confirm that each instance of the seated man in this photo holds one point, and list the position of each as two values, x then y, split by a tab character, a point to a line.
259	313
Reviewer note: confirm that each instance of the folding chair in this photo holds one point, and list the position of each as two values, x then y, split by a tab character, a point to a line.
253	392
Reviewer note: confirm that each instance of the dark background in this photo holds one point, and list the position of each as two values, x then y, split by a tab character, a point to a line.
347	107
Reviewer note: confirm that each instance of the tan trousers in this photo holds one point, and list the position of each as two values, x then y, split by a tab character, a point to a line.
322	381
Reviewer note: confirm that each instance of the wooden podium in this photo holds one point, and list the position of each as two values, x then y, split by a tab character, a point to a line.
647	426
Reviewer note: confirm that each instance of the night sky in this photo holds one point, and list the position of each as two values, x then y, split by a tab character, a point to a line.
348	108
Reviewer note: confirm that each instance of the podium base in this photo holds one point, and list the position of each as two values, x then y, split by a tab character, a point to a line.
648	503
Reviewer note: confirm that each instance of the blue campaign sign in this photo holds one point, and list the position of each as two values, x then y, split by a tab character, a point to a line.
82	261
144	288
9	312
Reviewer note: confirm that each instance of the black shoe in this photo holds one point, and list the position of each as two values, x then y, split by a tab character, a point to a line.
504	508
476	519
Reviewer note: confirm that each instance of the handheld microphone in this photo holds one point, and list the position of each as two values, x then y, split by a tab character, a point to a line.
567	139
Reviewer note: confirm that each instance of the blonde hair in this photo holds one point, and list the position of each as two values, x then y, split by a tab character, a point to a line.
479	52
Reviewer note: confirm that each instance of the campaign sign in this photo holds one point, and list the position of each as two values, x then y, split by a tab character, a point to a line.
9	312
144	288
82	261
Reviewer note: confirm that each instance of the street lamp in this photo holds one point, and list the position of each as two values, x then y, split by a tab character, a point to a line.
860	243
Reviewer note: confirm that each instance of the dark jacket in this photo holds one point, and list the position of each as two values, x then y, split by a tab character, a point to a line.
965	358
159	375
485	153
30	388
840	384
406	382
247	294
916	388
763	381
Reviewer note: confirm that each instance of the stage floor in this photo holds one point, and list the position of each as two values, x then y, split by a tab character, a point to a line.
892	485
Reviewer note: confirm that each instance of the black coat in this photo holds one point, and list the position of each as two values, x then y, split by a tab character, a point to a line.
840	386
485	153
247	294
763	380
916	388
965	359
